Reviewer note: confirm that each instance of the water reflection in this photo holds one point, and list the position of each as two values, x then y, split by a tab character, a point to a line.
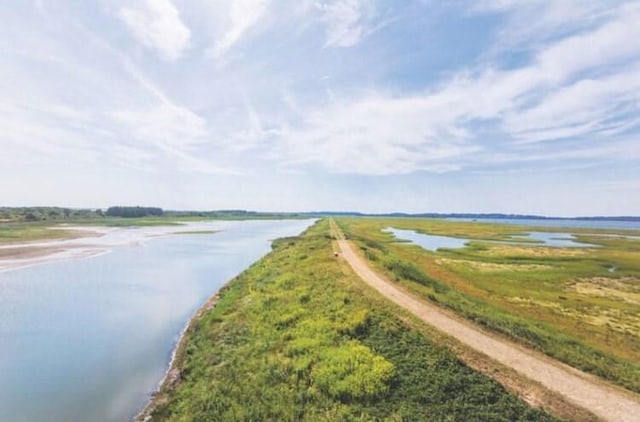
434	242
428	241
90	339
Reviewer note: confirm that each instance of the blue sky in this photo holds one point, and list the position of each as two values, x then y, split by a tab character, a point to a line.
376	106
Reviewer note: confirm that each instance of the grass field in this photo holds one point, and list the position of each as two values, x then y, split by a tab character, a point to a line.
298	337
566	302
26	232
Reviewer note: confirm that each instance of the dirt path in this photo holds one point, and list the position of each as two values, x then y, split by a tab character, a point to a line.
607	402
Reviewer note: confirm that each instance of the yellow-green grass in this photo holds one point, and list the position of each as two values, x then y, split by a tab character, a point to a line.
27	232
299	337
562	301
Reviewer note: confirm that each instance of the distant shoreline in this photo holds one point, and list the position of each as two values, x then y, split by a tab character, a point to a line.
91	241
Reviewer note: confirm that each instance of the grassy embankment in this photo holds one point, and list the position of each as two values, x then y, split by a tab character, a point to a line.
565	302
298	337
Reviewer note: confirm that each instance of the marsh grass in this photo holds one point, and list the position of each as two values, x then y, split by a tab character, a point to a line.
26	232
527	293
298	337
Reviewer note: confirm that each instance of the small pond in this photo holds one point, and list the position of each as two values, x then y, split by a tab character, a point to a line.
434	242
552	239
428	241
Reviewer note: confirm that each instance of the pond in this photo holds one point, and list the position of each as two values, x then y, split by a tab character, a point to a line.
90	339
429	242
553	239
434	242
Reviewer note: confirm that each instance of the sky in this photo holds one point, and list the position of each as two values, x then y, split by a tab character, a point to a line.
298	105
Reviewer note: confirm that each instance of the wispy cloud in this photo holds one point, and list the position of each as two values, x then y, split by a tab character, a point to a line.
164	125
156	24
556	95
378	135
240	17
347	21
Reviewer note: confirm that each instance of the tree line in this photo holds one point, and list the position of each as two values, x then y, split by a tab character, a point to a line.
134	212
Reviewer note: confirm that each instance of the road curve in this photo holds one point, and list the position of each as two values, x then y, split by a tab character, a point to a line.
606	402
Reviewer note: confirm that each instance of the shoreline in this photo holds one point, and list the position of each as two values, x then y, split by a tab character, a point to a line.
94	242
172	373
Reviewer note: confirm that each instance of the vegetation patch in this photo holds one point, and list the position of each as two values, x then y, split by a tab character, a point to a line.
566	302
298	337
626	289
490	266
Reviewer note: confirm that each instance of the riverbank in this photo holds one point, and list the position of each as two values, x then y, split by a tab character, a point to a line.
95	336
79	242
298	337
173	372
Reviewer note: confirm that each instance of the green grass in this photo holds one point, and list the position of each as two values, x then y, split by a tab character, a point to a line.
563	302
26	232
298	337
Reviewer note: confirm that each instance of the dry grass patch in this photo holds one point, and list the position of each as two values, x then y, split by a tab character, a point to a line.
534	251
491	266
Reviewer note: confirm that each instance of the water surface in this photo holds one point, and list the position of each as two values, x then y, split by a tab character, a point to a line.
432	242
89	339
552	239
429	242
551	222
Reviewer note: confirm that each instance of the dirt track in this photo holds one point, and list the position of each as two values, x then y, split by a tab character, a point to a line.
594	395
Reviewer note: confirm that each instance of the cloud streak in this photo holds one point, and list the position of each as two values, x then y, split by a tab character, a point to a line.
156	24
557	95
347	21
241	16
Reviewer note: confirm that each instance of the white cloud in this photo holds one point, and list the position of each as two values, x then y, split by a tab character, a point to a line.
559	94
378	135
241	16
46	129
166	125
537	21
585	107
348	21
617	39
156	24
177	133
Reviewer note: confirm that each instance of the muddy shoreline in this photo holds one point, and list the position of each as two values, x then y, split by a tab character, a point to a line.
86	242
173	373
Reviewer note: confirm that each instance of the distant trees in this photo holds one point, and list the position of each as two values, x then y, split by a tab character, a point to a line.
133	212
17	214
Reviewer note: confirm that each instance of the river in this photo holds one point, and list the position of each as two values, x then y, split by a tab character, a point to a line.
90	339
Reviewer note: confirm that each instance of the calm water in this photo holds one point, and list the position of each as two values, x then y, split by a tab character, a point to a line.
556	240
428	241
90	339
433	242
581	224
